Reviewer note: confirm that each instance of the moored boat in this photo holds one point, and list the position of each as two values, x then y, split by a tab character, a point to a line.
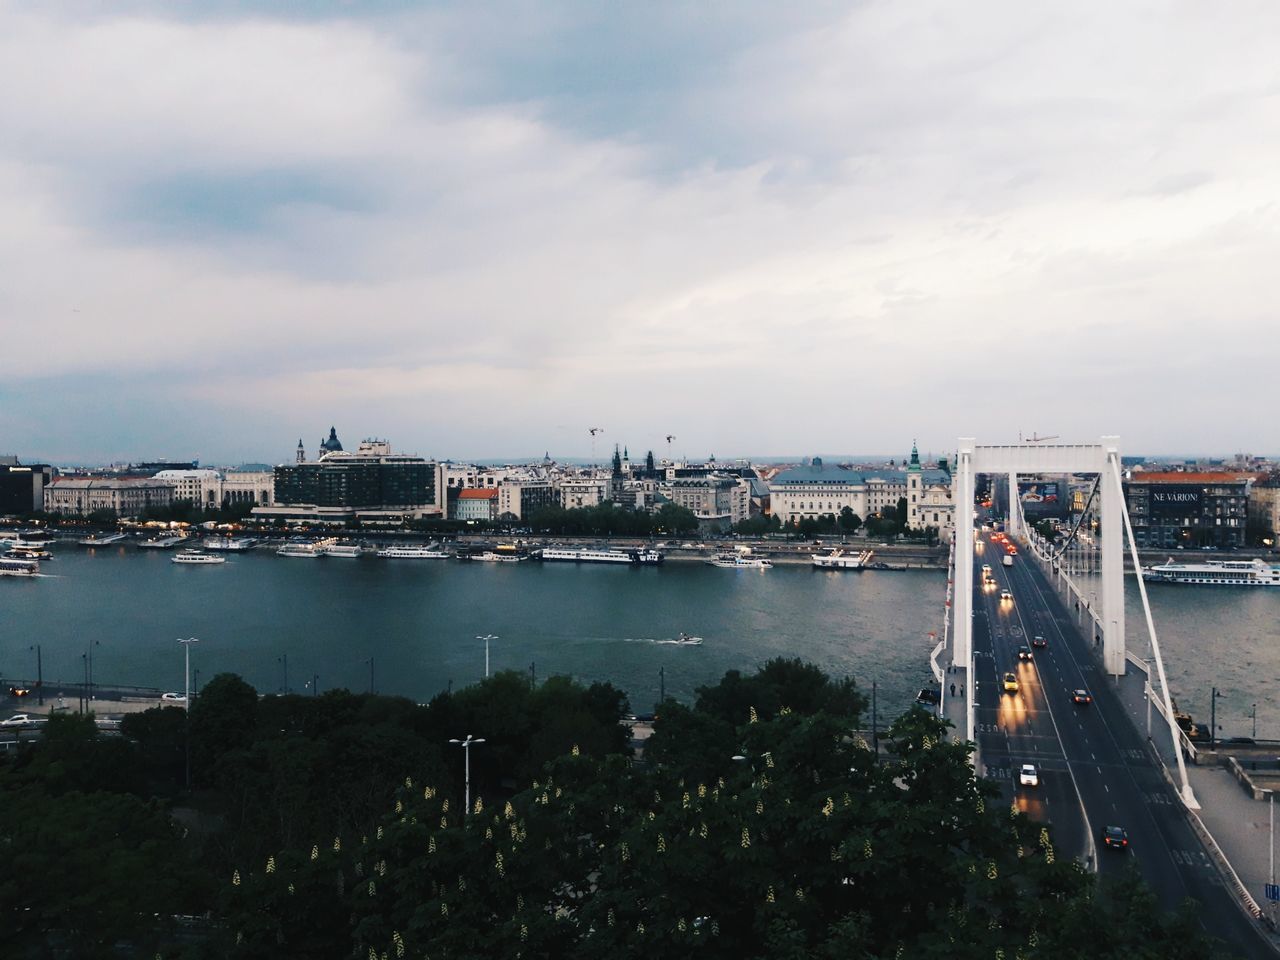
349	551
230	544
165	542
838	559
96	541
15	567
196	557
414	552
1222	573
739	561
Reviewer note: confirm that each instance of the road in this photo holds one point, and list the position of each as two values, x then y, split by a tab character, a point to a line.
1095	766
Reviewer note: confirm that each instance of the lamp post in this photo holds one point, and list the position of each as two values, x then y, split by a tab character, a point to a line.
186	703
466	754
370	663
486	638
1213	719
283	659
39	675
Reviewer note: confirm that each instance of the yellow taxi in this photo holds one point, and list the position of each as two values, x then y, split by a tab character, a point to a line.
1010	683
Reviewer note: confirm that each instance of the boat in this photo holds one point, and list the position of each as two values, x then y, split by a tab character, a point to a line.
29	553
14	567
1223	573
837	559
586	555
740	561
684	640
195	556
229	544
349	551
414	552
648	557
163	542
96	541
36	541
306	549
501	555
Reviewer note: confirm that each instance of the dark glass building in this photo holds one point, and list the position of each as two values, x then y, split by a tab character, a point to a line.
1171	510
22	486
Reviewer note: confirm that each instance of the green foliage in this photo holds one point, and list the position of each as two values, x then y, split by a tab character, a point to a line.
758	526
849	521
607	519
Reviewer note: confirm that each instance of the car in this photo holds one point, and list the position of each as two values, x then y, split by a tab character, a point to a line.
1115	838
1081	697
1039	642
18	720
1024	652
1028	776
173	697
1006	596
1010	683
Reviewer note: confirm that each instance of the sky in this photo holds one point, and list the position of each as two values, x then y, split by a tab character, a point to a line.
480	230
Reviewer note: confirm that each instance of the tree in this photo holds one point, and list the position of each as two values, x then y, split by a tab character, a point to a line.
901	512
849	521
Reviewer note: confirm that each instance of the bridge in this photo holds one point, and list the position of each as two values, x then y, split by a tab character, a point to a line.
1095	766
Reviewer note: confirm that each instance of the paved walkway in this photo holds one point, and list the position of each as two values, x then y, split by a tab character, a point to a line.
1238	824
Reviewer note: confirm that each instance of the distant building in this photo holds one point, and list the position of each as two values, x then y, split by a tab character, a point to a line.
79	497
22	486
476	504
929	498
714	498
587	492
1170	510
816	490
372	485
1264	506
201	488
519	498
252	483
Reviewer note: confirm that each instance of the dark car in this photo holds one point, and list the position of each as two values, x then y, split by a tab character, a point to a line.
1081	696
1115	838
1024	652
1038	641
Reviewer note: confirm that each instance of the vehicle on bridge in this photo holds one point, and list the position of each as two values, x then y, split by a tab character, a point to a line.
1115	838
19	720
1038	641
1028	776
1081	697
1010	683
1024	652
1008	559
1006	596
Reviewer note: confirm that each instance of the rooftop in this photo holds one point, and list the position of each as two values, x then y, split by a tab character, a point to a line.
1144	476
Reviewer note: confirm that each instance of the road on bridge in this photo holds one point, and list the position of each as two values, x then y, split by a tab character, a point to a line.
1096	768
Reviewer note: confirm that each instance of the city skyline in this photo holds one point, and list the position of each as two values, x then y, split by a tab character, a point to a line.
479	231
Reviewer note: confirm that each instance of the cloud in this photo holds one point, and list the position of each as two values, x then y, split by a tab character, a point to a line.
815	230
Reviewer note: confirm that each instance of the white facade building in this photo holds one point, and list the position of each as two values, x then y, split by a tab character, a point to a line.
127	498
203	488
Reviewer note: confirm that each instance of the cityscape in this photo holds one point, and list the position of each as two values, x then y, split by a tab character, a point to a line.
638	481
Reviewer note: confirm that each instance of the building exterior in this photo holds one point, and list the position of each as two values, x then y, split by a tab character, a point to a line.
813	491
371	485
253	483
201	488
517	499
712	498
22	486
589	492
476	503
929	501
79	497
1264	507
1170	510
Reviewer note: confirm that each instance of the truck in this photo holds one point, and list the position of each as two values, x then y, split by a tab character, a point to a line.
1008	560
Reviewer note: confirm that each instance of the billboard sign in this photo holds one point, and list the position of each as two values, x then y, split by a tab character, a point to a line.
1041	498
1176	500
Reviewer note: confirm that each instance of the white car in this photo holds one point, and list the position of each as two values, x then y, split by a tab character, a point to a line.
18	720
1027	776
173	698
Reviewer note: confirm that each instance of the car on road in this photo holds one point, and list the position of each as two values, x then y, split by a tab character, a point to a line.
18	720
1081	697
173	698
1006	596
1039	642
1028	776
1115	838
1024	652
1010	683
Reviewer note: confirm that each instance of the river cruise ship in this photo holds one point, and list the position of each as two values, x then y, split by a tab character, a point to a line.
305	549
13	567
740	561
414	552
1223	573
230	544
196	557
837	559
347	551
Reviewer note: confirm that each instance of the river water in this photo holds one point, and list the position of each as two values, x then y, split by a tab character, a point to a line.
418	620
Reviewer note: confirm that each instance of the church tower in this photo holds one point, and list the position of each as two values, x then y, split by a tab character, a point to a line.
915	488
300	456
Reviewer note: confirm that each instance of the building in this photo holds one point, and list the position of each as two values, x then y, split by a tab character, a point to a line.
252	483
372	485
1170	510
517	499
714	498
200	488
475	503
1264	507
816	490
79	497
22	486
580	493
929	501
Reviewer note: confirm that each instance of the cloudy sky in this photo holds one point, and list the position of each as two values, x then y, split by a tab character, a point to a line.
481	229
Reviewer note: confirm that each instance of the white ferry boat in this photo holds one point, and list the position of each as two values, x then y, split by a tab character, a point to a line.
837	559
195	556
229	544
306	549
37	541
95	541
586	555
502	556
740	561
13	567
29	553
412	552
349	551
1225	573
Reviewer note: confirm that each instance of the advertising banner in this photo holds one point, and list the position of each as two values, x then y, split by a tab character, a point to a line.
1176	500
1041	499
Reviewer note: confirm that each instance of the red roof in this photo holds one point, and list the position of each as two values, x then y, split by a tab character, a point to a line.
1144	477
474	493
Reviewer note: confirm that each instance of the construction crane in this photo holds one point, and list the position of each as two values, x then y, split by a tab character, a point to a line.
593	431
1034	438
670	437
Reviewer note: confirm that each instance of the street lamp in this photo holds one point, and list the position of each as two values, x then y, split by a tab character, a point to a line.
186	644
466	753
39	674
486	638
1213	718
